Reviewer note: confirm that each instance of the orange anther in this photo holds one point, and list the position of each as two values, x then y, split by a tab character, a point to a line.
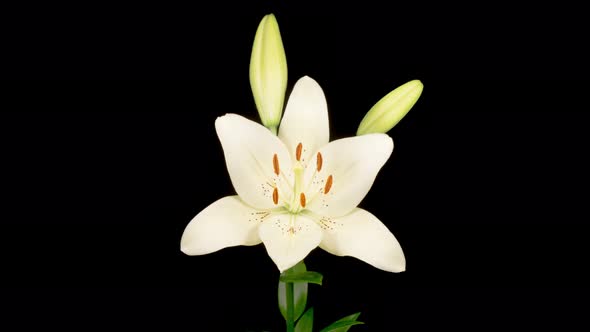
302	199
275	196
275	164
328	184
319	162
298	151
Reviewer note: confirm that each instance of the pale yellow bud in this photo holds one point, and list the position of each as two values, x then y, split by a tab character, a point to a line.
268	72
391	109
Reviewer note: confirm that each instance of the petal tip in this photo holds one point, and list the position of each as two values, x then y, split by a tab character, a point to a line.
384	139
390	142
225	116
222	121
307	81
399	265
186	250
387	141
401	268
219	119
185	245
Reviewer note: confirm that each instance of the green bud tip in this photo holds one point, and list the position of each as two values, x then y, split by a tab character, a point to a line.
391	109
268	71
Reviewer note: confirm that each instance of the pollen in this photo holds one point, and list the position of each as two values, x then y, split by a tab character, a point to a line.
275	164
298	151
328	184
320	161
302	200
275	196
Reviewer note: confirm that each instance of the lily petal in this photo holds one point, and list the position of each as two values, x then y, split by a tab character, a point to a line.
227	222
360	234
306	119
249	150
289	238
352	163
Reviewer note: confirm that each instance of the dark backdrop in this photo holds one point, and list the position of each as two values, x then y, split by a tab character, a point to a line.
486	189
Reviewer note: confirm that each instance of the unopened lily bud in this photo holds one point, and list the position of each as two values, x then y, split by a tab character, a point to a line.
268	72
391	109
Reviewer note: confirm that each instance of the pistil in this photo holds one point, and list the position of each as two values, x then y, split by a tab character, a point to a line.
298	187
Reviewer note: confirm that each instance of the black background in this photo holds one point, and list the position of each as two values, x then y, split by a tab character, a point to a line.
486	189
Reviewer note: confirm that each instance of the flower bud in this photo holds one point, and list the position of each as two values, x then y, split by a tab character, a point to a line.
391	109
268	72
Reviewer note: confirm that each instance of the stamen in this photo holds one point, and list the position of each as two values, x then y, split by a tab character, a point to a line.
275	196
302	200
298	151
328	184
275	164
319	162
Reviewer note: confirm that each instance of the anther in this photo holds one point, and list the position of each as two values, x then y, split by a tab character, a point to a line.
275	196
328	184
298	151
302	200
275	164
319	162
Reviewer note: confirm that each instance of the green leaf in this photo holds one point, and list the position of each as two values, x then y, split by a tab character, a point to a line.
352	317
305	324
299	292
343	324
309	276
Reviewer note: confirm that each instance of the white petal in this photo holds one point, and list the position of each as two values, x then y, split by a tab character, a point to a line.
360	234
353	163
289	238
227	222
249	149
306	119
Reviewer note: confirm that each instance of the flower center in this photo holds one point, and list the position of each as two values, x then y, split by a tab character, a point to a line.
298	190
314	188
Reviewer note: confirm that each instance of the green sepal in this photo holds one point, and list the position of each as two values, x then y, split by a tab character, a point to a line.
305	324
343	324
299	292
308	276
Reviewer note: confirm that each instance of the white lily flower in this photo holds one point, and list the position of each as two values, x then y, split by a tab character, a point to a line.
297	191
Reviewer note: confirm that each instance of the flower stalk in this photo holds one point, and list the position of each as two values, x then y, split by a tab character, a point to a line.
290	307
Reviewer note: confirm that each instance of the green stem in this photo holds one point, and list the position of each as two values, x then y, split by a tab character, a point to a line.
290	307
273	129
